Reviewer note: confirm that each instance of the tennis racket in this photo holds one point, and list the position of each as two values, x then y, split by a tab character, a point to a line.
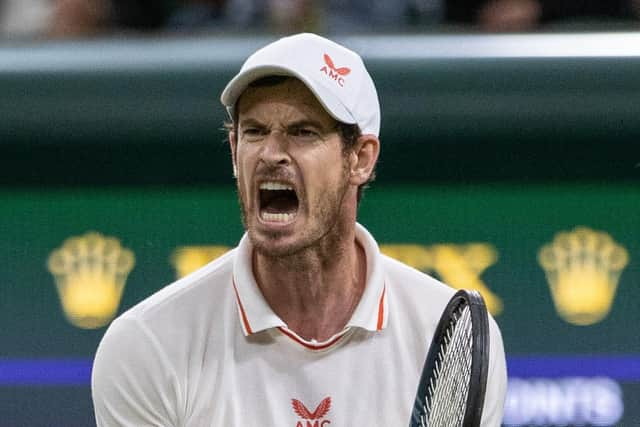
454	377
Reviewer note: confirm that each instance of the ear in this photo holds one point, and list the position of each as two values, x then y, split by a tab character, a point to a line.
363	158
233	146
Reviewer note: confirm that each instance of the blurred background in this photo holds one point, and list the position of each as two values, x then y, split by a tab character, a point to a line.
510	164
57	19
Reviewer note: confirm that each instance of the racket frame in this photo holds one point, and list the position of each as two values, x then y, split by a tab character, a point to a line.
479	357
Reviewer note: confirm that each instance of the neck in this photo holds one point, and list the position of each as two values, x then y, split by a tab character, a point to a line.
316	290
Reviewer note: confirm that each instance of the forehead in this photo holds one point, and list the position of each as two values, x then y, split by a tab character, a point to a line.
289	99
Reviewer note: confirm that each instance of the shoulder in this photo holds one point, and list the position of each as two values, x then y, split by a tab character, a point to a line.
420	299
142	357
129	368
175	314
188	293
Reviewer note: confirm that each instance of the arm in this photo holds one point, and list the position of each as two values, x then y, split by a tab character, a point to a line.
132	383
496	379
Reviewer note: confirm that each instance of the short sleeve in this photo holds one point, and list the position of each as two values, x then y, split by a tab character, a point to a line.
132	382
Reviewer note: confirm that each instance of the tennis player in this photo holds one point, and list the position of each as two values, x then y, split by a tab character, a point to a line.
305	323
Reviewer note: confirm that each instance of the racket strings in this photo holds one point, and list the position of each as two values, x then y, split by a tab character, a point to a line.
446	397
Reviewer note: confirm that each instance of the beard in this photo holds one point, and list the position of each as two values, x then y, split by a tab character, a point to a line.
325	224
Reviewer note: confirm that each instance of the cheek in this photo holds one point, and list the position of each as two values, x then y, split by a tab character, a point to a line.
243	170
244	160
324	177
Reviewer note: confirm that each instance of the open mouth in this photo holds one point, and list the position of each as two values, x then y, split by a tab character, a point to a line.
278	202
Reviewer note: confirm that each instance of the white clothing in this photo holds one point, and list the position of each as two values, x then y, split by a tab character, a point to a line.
209	351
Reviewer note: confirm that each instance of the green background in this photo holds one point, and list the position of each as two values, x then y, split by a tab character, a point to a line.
517	221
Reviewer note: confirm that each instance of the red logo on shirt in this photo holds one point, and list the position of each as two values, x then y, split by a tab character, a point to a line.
333	72
312	419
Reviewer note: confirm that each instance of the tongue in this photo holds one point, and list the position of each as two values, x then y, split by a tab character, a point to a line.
280	204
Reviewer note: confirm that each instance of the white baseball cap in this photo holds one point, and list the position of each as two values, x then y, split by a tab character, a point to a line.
336	76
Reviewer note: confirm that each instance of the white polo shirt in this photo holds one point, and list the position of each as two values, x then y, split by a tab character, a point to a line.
209	351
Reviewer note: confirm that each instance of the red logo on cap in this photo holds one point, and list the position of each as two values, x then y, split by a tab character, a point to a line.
333	72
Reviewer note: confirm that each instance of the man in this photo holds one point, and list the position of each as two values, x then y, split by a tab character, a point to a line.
305	323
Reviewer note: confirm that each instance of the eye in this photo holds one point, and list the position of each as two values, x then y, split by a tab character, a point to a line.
303	134
253	133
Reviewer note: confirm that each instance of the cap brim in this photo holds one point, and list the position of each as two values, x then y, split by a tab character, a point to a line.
239	83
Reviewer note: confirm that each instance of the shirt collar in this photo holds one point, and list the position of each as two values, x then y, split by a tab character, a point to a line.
371	313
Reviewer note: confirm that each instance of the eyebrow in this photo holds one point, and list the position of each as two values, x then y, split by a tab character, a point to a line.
250	122
306	122
295	124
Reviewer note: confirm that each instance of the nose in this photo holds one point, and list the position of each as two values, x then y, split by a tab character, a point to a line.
274	149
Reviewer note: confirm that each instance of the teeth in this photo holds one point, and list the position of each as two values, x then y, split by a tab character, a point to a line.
275	186
276	217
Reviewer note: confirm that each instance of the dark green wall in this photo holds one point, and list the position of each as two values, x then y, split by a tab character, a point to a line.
456	108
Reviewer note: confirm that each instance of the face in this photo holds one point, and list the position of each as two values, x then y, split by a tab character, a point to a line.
292	172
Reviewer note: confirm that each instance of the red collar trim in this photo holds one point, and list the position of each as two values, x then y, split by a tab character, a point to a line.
381	309
243	315
309	345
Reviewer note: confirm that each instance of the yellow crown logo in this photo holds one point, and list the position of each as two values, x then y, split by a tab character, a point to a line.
583	267
187	259
90	272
